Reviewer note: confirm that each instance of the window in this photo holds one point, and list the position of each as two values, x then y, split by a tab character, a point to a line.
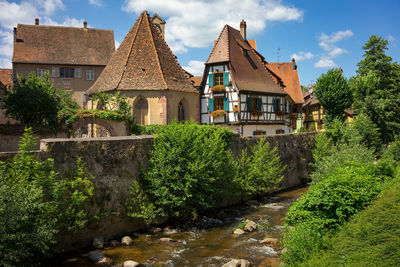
90	75
41	72
55	72
78	72
181	112
67	72
218	103
141	110
255	104
218	78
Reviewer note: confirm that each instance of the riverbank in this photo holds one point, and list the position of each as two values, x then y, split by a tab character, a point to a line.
200	246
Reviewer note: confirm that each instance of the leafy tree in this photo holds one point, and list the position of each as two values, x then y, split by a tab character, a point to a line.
376	89
334	94
304	88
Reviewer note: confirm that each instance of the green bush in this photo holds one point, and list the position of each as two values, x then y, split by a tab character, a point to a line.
148	129
259	170
190	171
371	238
35	204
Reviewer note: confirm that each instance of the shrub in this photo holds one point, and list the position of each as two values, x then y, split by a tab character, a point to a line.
190	170
260	170
35	204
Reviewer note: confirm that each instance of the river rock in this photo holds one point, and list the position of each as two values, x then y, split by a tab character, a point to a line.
270	241
96	256
115	243
131	263
98	242
155	230
126	241
238	232
250	226
167	239
237	263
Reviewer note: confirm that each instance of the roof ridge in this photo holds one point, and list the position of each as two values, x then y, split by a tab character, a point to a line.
155	49
130	51
62	27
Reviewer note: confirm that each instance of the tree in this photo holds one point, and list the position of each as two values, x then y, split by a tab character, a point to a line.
376	89
334	94
34	100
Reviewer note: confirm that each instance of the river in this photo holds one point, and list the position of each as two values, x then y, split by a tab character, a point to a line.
211	246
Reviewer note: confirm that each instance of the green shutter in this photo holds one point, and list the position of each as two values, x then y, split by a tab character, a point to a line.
210	104
226	104
226	78
249	107
259	104
275	105
210	80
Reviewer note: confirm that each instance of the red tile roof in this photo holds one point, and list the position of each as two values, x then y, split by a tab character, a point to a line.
143	61
5	78
247	71
290	79
62	45
196	80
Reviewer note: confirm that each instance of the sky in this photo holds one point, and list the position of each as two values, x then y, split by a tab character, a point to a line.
319	34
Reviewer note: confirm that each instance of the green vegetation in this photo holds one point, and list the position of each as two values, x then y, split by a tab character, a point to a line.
334	94
34	100
191	170
36	204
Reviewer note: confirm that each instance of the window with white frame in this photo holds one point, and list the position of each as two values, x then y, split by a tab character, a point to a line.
90	75
41	72
78	72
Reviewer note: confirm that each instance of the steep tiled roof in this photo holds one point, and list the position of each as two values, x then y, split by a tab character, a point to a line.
196	80
5	78
143	61
62	45
247	69
290	79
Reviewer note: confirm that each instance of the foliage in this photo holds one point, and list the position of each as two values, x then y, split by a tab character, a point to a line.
190	170
260	170
152	129
321	149
217	113
34	100
371	238
376	89
35	204
304	88
334	94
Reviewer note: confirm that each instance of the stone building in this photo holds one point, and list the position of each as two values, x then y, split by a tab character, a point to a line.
240	91
5	85
148	73
74	57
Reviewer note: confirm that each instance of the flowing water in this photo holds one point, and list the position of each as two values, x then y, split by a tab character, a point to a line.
211	246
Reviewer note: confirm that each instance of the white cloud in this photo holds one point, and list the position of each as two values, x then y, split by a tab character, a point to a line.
391	38
325	63
197	23
5	63
50	6
116	44
96	2
302	56
6	43
13	13
328	44
195	67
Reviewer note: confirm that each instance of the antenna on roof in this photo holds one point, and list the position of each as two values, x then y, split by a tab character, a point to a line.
279	49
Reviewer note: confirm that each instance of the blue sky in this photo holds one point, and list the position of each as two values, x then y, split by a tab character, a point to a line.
320	34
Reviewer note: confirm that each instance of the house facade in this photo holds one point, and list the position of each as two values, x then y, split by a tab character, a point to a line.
239	92
73	57
146	71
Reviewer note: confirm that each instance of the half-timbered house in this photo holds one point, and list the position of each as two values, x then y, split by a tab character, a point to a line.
239	92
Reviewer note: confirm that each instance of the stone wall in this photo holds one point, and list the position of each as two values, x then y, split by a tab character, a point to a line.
116	161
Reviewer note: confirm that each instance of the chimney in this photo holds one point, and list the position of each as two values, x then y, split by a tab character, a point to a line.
37	21
85	24
243	29
294	67
15	34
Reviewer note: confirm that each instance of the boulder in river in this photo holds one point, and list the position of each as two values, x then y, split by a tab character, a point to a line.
98	242
115	243
250	226
270	241
126	241
97	256
167	239
131	263
237	263
155	230
238	232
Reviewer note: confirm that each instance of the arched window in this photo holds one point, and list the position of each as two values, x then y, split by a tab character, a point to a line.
181	112
141	109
